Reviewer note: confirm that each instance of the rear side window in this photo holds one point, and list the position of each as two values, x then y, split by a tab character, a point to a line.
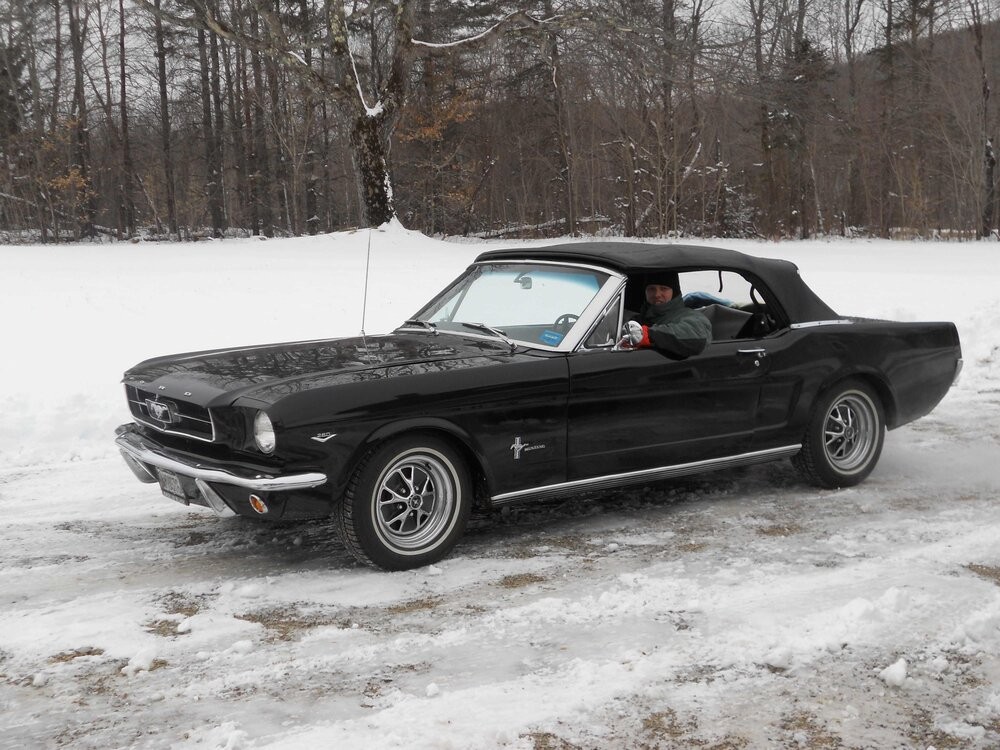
736	307
717	287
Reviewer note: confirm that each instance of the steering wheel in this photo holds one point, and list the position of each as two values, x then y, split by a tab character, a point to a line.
565	321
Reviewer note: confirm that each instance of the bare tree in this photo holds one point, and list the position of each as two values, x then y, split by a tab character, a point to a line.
371	102
165	144
989	157
887	60
210	126
765	23
85	207
128	167
852	19
561	123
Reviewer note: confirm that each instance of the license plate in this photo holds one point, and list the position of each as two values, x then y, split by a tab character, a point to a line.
170	485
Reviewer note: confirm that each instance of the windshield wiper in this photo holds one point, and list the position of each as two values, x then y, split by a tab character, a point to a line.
493	331
424	324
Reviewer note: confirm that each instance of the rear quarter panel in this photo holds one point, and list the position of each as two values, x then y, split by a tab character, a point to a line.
918	362
910	365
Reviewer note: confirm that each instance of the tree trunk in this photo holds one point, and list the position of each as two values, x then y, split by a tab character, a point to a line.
309	164
232	64
562	126
989	157
370	150
212	170
246	131
57	70
768	198
217	193
168	159
282	153
886	117
39	185
261	177
989	190
808	214
855	209
128	167
85	205
116	169
668	138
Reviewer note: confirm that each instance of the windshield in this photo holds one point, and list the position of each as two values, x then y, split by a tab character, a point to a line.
531	303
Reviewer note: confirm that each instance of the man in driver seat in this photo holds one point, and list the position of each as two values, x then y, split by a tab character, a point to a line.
665	323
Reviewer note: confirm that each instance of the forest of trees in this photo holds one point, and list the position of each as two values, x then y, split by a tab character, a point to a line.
774	118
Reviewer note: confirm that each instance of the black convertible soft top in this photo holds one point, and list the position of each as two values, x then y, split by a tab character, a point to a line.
635	259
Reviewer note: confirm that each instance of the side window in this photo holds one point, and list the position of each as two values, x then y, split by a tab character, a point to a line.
736	308
607	331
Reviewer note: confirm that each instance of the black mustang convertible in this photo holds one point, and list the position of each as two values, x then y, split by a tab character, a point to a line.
514	384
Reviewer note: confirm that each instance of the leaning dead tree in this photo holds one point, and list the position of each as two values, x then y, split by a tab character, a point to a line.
371	103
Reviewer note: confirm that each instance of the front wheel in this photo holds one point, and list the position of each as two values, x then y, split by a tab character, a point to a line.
407	503
844	439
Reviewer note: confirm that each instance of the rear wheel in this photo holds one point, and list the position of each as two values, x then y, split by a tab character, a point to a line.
845	436
407	503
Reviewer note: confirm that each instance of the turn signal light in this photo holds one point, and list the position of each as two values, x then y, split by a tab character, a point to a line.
258	505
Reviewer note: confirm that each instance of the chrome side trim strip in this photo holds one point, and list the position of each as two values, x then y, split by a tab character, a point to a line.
139	450
816	323
648	475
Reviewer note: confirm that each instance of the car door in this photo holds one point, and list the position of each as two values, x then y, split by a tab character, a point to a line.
635	410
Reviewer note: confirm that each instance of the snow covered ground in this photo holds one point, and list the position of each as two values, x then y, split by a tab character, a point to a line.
741	609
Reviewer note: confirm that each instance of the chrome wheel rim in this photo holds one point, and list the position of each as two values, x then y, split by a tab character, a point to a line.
850	432
414	502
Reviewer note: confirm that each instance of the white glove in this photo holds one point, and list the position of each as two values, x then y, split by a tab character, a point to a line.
633	332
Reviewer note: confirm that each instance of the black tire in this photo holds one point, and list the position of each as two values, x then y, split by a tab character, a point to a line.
845	435
407	503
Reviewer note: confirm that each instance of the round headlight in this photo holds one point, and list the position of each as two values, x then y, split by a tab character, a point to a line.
263	432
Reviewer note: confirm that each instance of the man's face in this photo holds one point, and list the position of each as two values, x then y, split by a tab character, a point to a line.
657	294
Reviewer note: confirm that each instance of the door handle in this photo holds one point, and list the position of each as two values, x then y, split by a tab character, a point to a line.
757	354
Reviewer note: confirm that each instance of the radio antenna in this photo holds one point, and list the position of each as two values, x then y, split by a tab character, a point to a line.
364	300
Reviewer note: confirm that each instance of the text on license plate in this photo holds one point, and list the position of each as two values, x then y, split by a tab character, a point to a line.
170	485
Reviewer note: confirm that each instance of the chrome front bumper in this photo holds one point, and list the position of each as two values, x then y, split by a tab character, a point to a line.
143	456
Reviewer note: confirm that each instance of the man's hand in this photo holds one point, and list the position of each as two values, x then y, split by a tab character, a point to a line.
636	335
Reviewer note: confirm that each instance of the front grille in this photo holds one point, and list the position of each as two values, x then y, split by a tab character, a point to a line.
170	415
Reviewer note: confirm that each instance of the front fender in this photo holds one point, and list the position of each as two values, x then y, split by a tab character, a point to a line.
342	471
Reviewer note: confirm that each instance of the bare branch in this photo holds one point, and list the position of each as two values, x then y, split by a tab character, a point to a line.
204	18
517	21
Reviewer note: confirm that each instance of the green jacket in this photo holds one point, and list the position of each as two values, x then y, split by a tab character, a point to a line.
676	329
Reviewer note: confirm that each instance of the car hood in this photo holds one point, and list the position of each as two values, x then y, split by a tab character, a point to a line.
264	373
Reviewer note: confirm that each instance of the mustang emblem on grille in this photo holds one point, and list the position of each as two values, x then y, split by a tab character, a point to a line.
161	411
